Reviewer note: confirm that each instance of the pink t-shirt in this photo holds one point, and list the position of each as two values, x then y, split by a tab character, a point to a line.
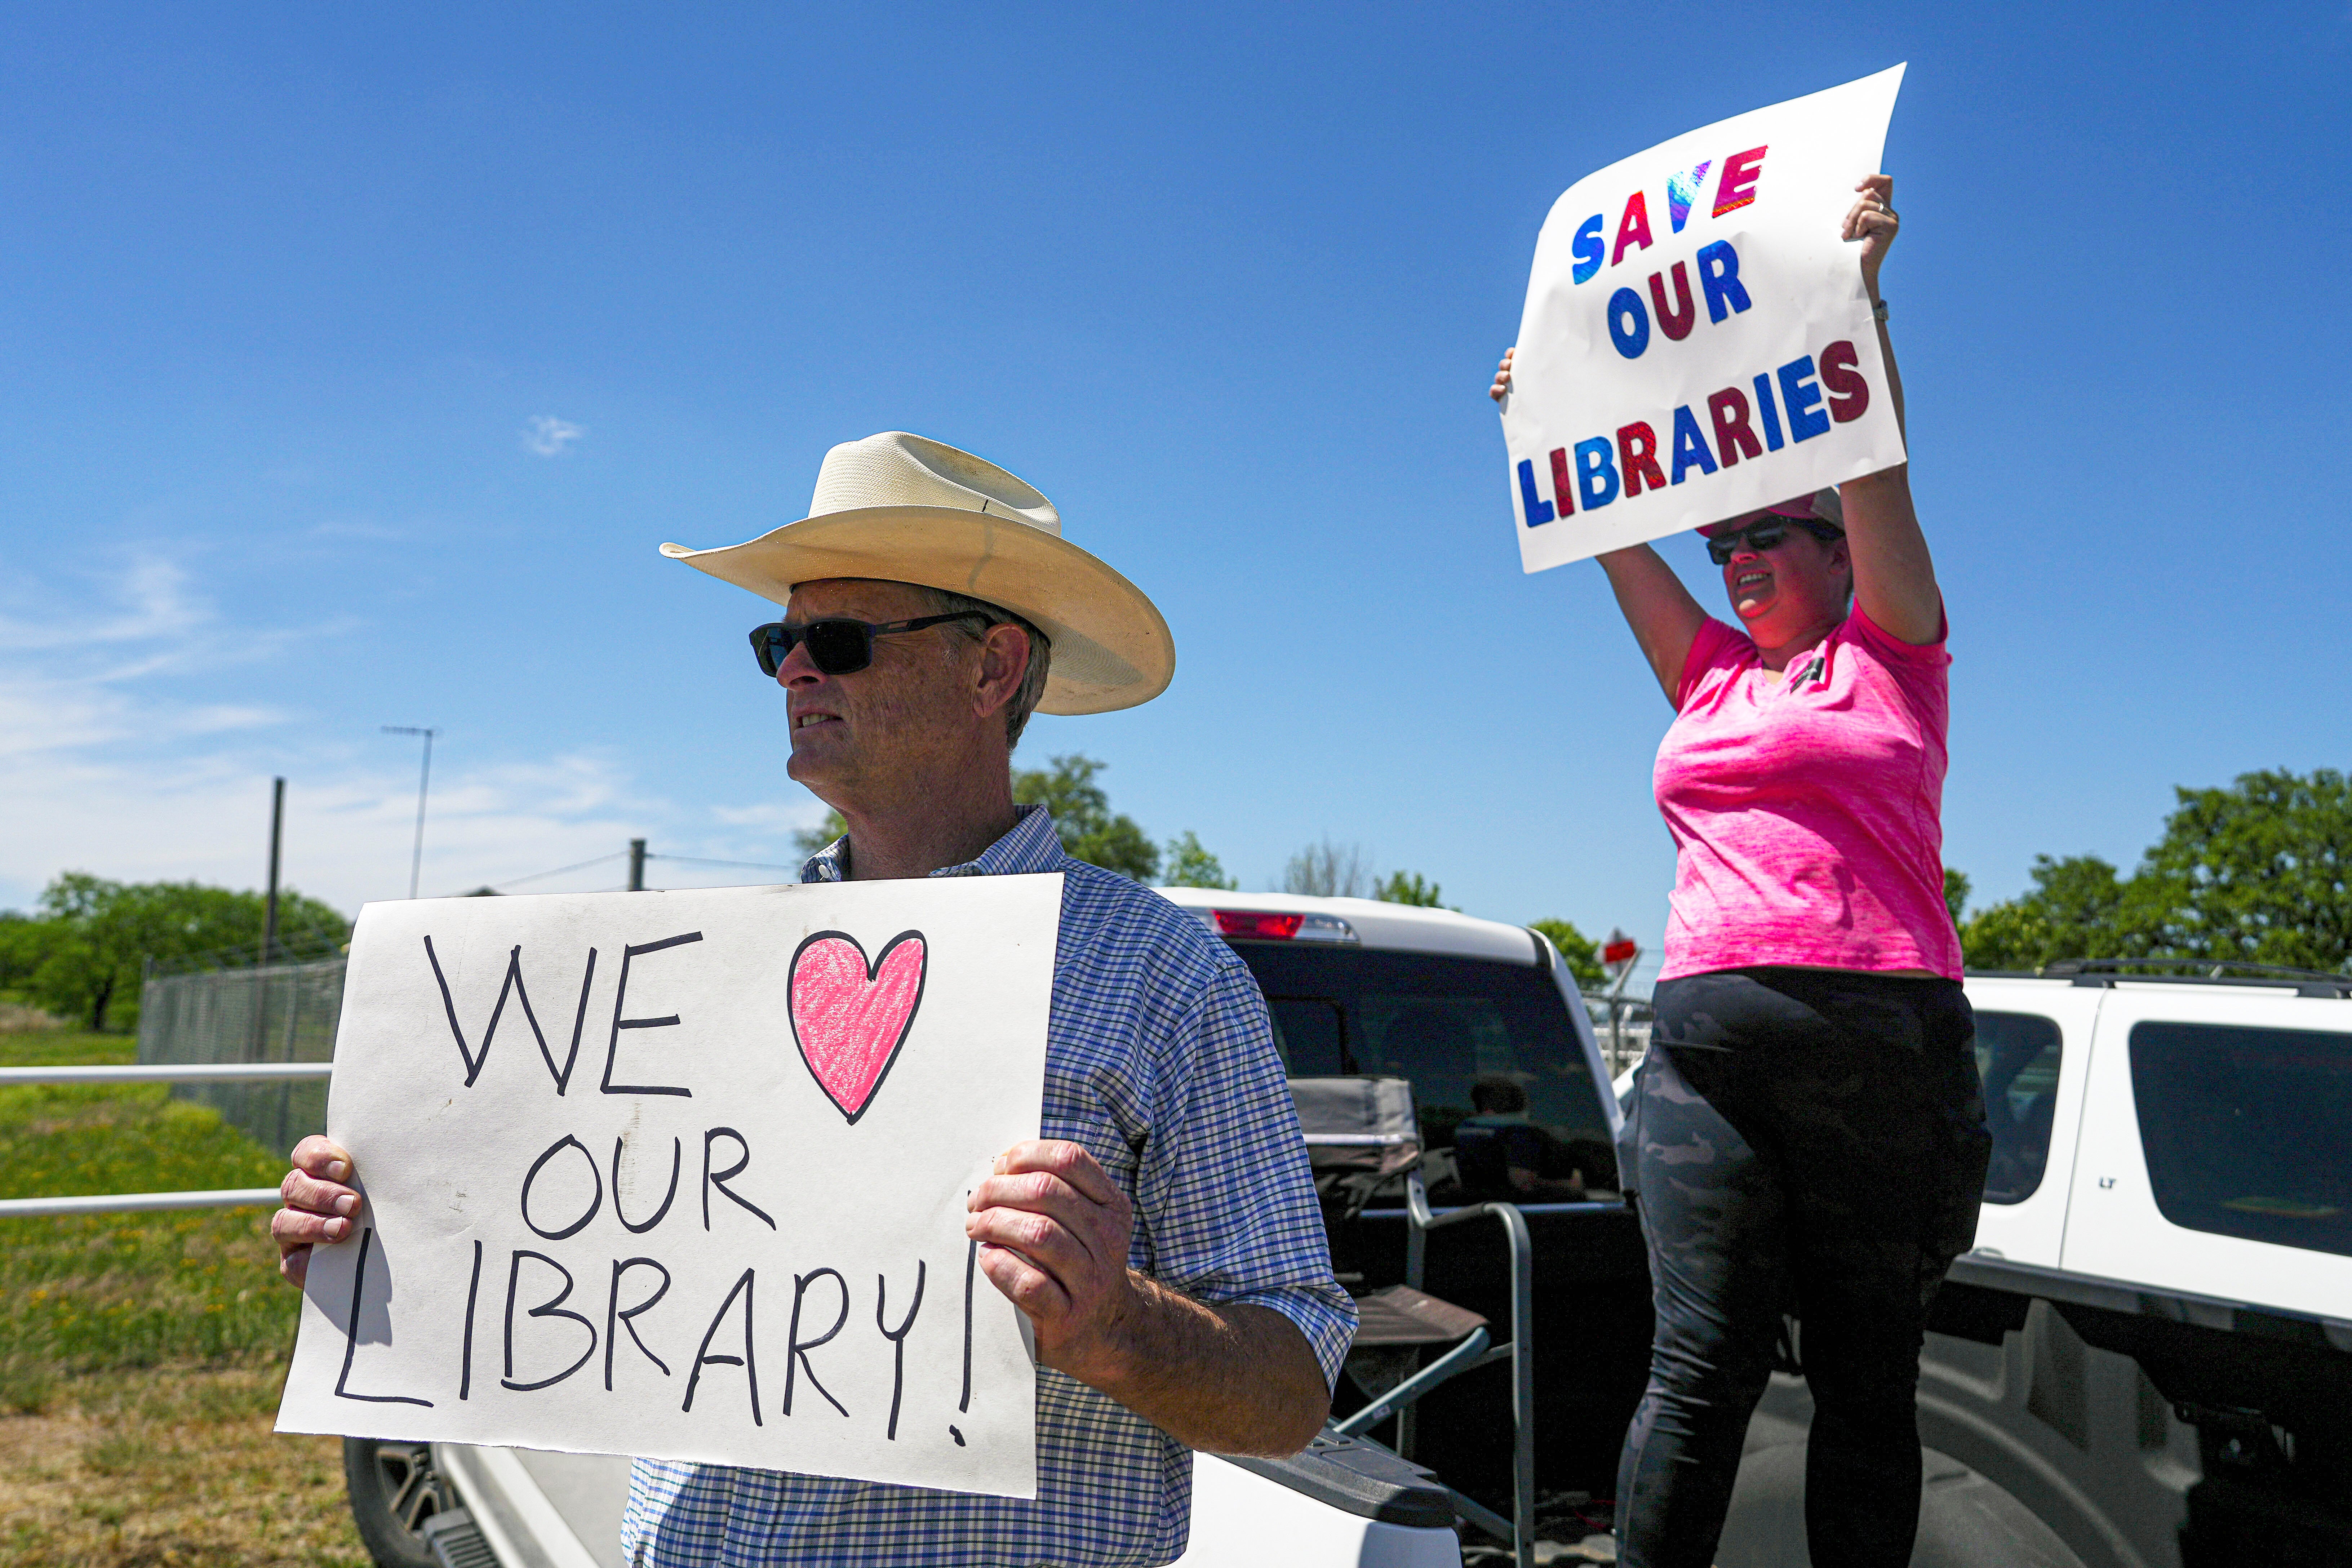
1807	812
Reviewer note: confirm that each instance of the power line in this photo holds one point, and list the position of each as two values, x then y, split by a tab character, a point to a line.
625	854
559	871
746	864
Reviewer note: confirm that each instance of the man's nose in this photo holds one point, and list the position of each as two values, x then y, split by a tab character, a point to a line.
797	668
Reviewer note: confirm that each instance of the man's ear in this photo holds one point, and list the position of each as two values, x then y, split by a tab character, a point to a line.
1003	662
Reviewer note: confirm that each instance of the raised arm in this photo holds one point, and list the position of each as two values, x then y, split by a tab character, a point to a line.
1894	576
1664	616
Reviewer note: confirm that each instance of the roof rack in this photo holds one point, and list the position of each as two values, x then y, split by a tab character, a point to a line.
2107	972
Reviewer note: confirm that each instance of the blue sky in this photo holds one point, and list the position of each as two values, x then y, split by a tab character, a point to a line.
291	294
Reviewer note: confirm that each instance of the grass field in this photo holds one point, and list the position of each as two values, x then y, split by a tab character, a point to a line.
141	1355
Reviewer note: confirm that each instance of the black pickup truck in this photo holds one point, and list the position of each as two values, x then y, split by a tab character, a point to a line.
2147	1360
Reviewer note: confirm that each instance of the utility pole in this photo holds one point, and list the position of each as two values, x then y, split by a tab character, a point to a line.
636	865
277	838
269	922
423	778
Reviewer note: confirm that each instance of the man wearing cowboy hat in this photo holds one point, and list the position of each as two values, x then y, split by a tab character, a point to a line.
1163	1238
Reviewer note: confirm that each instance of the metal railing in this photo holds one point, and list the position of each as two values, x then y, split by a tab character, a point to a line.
195	1073
184	1072
1519	1529
1620	1025
1475	1350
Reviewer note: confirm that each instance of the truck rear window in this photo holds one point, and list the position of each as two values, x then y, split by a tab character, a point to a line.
2017	1055
2245	1131
1444	1023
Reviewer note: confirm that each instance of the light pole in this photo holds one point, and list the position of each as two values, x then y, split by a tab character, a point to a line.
423	778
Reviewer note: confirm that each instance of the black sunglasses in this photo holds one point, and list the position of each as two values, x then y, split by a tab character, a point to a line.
1764	534
838	646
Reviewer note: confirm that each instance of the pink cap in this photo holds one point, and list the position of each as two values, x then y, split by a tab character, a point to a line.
1821	506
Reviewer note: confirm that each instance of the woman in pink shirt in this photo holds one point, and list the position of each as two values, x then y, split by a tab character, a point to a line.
1807	1132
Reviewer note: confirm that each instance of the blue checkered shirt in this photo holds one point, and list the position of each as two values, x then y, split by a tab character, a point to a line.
1159	1061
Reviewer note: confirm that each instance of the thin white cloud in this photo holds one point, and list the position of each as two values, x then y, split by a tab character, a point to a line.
548	435
40	716
138	616
217	718
145	796
151	600
143	766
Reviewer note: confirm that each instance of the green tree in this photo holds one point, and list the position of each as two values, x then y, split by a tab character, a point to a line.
99	934
1187	864
809	840
1955	892
2077	908
1407	888
24	942
1090	830
2255	873
1581	953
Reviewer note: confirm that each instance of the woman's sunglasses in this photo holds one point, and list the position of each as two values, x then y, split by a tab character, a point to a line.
1763	535
838	646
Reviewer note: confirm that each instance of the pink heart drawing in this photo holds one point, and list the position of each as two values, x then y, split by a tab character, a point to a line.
849	1017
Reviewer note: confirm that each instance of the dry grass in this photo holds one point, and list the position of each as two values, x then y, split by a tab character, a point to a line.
175	1468
142	1356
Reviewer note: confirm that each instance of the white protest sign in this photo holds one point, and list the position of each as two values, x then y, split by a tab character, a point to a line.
1696	342
683	1175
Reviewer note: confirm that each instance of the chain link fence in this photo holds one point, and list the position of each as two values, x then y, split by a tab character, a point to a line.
278	1013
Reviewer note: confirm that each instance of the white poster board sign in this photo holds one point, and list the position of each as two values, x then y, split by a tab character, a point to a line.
1696	342
683	1175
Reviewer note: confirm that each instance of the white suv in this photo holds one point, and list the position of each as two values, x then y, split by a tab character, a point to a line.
2149	1351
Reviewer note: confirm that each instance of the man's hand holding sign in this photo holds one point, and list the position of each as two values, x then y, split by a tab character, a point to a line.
1053	1234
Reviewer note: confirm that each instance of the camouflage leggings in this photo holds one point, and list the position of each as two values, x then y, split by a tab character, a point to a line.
1804	1139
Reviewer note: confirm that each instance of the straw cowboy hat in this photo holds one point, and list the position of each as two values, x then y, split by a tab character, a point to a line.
906	509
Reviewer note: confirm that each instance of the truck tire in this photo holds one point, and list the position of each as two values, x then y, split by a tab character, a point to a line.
394	1489
1964	1521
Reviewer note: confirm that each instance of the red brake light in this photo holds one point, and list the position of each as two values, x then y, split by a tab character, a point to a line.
1256	924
